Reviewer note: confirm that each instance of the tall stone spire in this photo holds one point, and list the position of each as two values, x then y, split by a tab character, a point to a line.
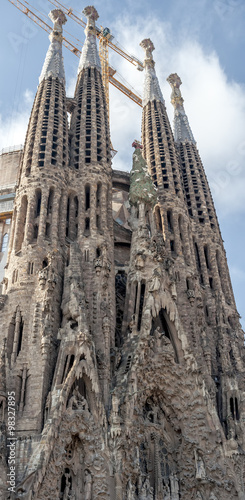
53	64
182	130
90	56
152	89
37	247
90	114
159	148
90	162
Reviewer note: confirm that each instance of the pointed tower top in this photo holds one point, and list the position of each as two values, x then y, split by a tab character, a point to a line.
53	64
142	189
182	130
90	56
152	89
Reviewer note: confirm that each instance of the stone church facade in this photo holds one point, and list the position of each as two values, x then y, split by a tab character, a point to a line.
121	348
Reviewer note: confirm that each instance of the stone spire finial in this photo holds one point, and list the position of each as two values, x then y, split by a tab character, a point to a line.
90	56
176	97
53	64
92	15
152	89
182	130
58	17
148	47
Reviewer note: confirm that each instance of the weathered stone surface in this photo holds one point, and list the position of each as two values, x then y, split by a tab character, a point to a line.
121	341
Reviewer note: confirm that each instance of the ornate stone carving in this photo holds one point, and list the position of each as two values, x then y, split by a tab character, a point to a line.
87	485
200	467
77	401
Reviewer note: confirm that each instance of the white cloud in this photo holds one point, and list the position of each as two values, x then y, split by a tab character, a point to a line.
13	126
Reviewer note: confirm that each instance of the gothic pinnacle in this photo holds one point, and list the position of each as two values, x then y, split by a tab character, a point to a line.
182	130
90	56
53	64
152	89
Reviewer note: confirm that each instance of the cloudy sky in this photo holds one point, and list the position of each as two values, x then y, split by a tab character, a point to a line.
202	40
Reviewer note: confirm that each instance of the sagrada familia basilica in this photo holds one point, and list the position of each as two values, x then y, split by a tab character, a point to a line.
122	355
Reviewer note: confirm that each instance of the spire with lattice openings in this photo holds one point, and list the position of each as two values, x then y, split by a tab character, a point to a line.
47	136
182	130
37	246
157	137
196	188
211	261
89	120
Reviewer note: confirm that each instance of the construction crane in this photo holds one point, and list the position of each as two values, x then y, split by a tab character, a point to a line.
101	33
105	41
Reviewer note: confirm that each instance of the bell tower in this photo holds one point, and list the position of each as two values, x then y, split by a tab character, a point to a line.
90	172
34	272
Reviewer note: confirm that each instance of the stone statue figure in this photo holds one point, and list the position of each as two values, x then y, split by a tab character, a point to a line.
174	483
87	485
67	490
77	401
130	491
146	491
200	467
166	493
212	497
198	496
157	339
154	283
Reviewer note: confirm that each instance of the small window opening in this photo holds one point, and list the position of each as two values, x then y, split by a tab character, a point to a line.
170	221
38	202
20	337
86	255
172	246
198	262
48	230
87	226
98	195
87	197
206	256
232	408
50	201
136	293
98	221
35	231
142	296
236	409
158	218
